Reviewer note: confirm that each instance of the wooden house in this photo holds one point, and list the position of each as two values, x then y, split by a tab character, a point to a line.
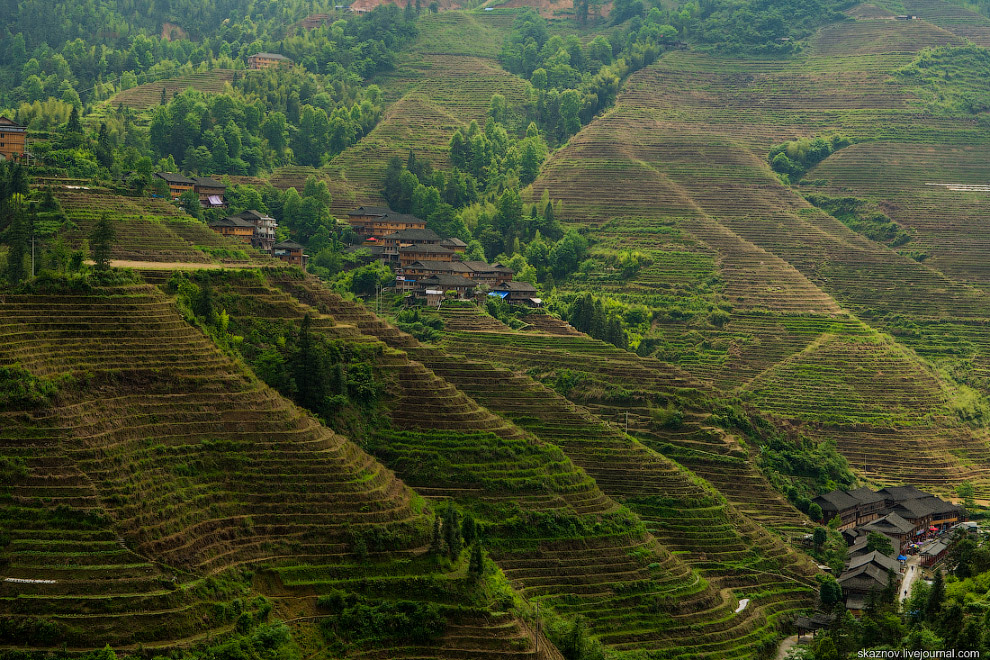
461	286
866	573
210	192
264	229
406	277
13	139
454	245
412	253
489	274
892	526
234	227
291	253
870	505
375	222
177	184
934	553
267	60
839	503
519	293
395	241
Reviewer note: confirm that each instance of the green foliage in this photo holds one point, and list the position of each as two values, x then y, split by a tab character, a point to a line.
796	157
101	241
355	620
875	541
19	388
861	217
951	79
575	82
758	28
588	314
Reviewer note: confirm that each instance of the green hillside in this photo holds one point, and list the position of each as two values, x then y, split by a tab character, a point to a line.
756	232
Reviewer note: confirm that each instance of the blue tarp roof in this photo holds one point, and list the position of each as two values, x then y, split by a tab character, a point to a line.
500	294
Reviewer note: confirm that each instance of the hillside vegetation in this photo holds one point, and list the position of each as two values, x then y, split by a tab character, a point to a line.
757	233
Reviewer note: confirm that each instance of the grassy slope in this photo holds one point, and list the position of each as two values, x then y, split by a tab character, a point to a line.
682	512
163	469
691	132
443	82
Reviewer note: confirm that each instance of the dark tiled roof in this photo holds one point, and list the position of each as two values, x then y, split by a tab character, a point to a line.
453	242
271	56
175	178
371	210
890	523
232	221
440	266
207	182
430	249
445	281
866	496
414	235
864	576
517	287
836	499
288	245
901	493
935	549
251	215
875	557
10	123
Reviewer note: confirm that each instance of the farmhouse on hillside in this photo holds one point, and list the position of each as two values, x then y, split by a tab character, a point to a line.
177	183
267	60
291	253
13	139
375	222
210	192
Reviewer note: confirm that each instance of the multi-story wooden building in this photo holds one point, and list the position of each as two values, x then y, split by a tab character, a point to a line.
264	229
13	140
291	253
413	253
234	227
375	222
393	242
267	60
177	184
210	192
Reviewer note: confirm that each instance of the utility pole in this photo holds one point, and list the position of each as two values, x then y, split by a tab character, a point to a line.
32	252
627	422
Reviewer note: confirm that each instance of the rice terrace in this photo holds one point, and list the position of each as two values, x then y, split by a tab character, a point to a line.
483	330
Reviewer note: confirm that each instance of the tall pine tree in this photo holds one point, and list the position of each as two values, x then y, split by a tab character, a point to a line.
101	241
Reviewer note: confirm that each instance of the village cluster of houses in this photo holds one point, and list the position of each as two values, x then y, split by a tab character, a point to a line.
909	517
427	265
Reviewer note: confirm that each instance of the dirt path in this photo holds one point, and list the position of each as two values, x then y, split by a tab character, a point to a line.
912	571
786	645
175	265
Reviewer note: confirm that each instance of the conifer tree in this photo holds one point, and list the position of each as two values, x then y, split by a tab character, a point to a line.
436	540
101	241
17	246
476	566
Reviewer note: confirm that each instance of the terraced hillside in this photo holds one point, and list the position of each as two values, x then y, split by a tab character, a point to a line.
729	549
690	135
147	467
446	81
149	229
149	95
